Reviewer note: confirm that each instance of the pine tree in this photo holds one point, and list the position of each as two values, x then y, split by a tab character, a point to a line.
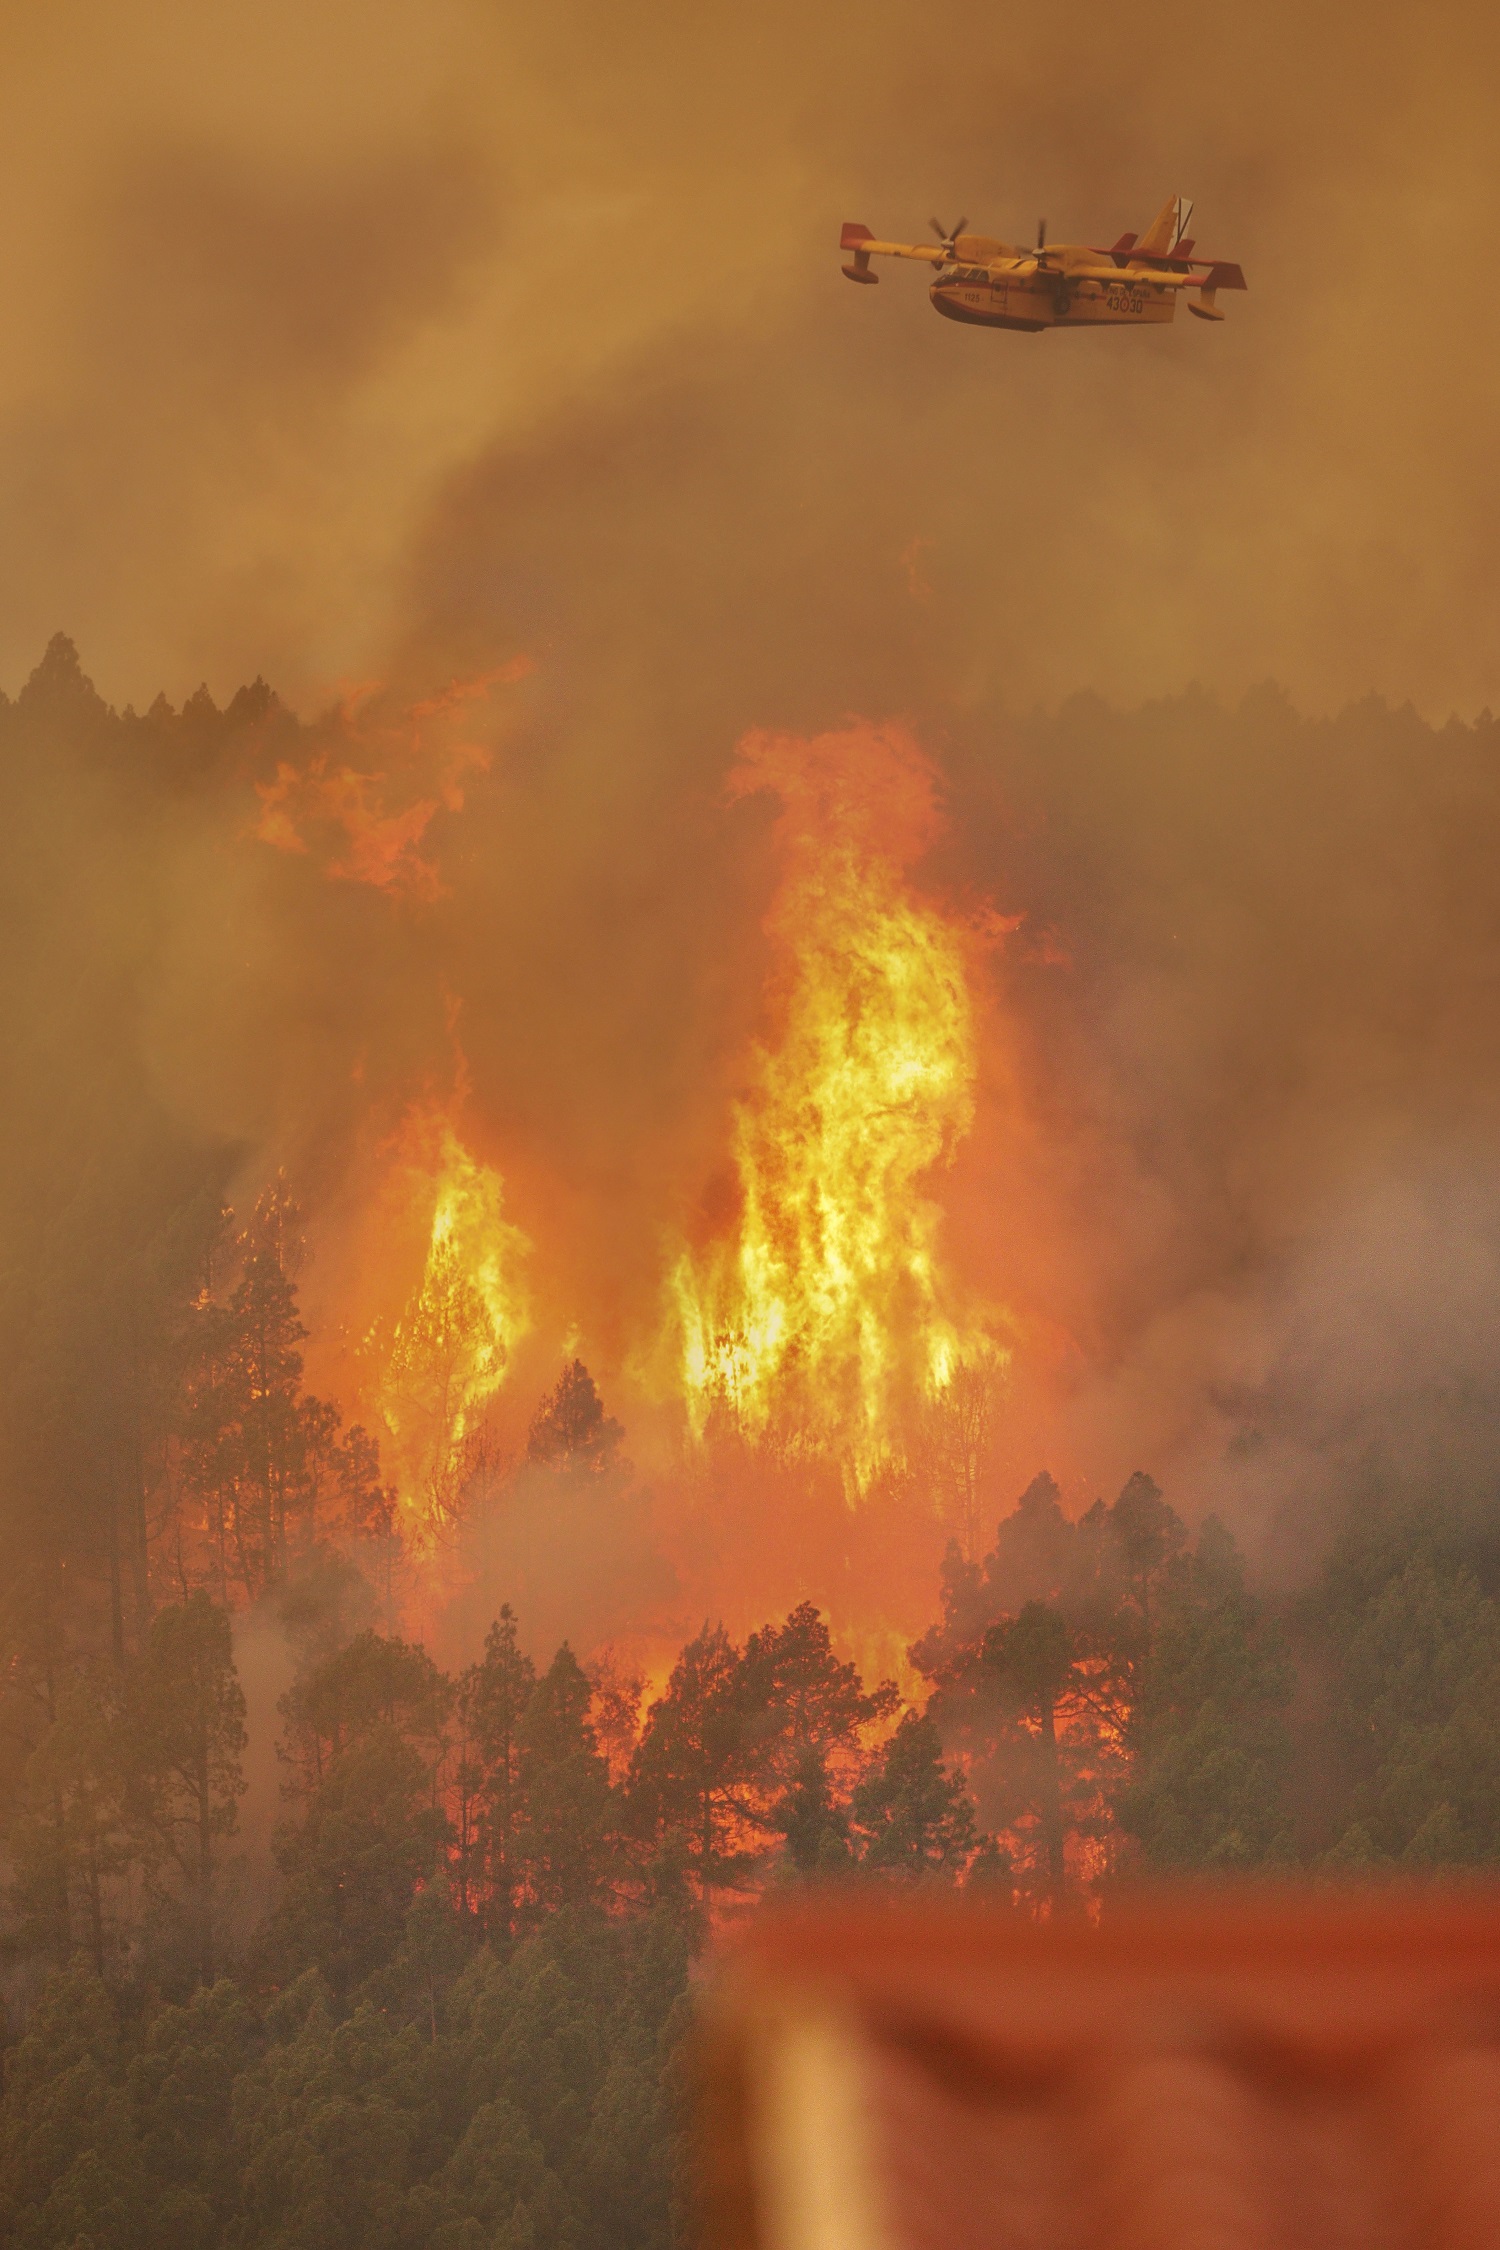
185	1727
337	2129
811	1817
913	1819
272	1426
806	1716
570	1429
369	1835
567	1823
1037	1663
366	1736
496	2188
261	1457
1034	1558
374	1682
1029	1665
182	2084
71	2171
1207	1739
1144	1539
492	1698
38	1623
801	1693
72	1840
698	1764
1419	1671
365	1512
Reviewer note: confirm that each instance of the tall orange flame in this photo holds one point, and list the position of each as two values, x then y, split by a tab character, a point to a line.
825	1312
365	802
449	1351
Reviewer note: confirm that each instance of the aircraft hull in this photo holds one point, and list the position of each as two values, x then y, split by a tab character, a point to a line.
985	303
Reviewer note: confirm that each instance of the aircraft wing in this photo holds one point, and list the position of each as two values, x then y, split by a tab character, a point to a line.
1111	267
1124	276
865	247
1213	277
860	240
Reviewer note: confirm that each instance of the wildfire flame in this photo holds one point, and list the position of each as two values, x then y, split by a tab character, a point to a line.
448	1352
825	1310
366	803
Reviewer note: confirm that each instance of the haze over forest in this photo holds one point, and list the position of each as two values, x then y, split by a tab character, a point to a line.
402	365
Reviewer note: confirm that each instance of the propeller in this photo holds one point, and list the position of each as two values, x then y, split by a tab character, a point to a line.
947	239
1035	260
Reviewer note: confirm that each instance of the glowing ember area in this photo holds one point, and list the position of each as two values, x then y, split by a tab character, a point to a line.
448	1352
366	802
824	1313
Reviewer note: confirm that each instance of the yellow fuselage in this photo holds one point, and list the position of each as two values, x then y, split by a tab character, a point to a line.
1047	297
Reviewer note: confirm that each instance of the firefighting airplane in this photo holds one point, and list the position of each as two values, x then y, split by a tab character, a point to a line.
996	285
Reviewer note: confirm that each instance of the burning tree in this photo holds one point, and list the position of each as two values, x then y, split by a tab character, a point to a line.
451	1347
1107	1686
258	1466
824	1313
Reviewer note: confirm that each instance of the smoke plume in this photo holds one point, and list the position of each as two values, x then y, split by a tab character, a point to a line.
487	385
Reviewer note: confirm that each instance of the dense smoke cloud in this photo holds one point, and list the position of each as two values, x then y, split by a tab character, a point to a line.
1261	1088
483	339
290	310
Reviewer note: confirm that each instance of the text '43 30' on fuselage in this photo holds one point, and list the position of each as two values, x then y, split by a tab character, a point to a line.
996	285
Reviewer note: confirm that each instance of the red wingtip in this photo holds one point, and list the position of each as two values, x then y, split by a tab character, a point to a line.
853	235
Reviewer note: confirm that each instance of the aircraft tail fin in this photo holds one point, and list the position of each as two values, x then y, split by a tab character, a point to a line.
1166	229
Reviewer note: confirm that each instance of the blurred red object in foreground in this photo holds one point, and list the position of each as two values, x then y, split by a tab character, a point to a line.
1238	2072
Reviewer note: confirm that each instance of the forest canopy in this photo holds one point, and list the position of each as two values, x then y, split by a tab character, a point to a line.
445	2003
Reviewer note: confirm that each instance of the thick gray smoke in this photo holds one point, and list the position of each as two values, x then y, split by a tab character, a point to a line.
477	339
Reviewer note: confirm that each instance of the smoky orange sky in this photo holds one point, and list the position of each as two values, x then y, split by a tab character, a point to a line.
409	345
334	335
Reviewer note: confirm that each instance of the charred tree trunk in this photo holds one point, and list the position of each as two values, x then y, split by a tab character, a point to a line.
62	1889
116	1583
205	1870
1053	1835
139	1539
95	1891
